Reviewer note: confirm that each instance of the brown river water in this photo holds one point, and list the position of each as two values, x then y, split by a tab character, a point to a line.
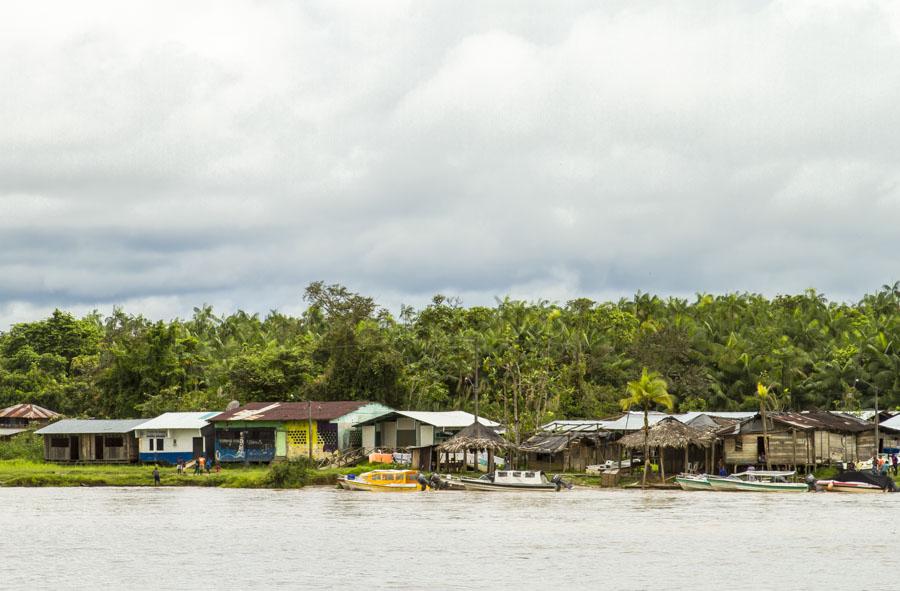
322	538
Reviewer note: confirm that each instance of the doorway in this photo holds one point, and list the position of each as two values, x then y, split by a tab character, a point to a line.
98	447
74	448
198	447
761	448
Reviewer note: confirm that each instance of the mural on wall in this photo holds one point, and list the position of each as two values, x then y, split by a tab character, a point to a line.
245	445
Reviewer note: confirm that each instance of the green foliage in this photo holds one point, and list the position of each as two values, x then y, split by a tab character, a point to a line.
532	362
24	446
291	474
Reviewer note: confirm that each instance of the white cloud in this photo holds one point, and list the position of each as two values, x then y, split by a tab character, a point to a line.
165	155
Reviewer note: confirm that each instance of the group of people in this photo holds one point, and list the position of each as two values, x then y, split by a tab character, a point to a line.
882	465
201	465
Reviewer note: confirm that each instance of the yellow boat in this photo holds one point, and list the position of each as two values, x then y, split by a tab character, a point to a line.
384	481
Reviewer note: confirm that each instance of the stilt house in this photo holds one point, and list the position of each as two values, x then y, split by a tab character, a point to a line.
91	441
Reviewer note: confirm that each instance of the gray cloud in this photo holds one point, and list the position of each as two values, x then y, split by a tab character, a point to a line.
162	156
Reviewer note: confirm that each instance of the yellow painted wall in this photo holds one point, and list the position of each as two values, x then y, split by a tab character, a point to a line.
297	442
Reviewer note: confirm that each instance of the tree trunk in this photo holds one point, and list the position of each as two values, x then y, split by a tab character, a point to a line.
762	410
646	448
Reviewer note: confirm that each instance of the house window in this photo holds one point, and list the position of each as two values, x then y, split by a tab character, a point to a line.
151	444
115	442
59	442
159	445
739	444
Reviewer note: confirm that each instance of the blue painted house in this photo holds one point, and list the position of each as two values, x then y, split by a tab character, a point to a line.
176	436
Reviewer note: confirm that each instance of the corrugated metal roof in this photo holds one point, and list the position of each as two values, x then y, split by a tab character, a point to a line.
180	420
451	419
290	411
9	432
574	426
32	412
90	426
632	421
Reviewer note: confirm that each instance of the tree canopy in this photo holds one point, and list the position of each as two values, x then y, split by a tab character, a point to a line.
535	361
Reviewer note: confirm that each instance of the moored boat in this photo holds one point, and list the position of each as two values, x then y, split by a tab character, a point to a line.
723	483
384	481
757	481
856	482
515	480
693	482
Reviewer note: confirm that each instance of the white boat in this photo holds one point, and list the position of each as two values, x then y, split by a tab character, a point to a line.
514	480
693	482
757	481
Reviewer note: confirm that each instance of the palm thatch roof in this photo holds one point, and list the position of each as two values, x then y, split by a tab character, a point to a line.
668	433
475	437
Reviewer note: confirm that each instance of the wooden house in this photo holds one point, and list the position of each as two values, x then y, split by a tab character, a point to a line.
175	436
808	438
91	441
22	415
267	431
402	429
567	451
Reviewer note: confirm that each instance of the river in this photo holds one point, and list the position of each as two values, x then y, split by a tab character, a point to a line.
322	538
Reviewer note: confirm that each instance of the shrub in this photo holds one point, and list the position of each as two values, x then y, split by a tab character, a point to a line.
290	474
24	446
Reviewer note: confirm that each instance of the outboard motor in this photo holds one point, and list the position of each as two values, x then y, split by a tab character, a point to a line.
811	482
559	482
435	482
420	478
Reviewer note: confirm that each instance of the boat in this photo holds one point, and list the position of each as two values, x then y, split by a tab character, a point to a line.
693	482
724	483
385	481
757	481
515	480
856	482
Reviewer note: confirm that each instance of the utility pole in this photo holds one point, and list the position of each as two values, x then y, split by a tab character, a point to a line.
875	388
309	433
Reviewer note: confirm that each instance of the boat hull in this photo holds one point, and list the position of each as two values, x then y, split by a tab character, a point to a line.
723	484
482	485
772	487
693	483
348	484
849	487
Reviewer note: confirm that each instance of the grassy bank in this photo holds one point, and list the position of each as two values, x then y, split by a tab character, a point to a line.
21	472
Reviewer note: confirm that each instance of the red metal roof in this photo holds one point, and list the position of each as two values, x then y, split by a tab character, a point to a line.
32	412
290	411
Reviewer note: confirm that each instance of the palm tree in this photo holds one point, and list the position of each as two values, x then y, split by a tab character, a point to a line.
645	393
766	398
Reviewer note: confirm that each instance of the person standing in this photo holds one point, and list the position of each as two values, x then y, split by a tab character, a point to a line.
155	475
894	463
201	464
723	471
196	466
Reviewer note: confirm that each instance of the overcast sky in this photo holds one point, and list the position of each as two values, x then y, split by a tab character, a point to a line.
230	153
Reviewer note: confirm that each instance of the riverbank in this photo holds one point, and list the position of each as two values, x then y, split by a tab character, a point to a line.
30	473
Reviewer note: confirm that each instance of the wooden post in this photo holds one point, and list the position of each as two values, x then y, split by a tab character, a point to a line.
686	457
490	460
794	437
662	463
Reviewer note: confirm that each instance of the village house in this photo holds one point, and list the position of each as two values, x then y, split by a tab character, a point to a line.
416	432
267	431
400	429
568	446
807	439
175	436
20	418
91	441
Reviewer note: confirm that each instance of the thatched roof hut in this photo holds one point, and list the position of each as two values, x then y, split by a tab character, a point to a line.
669	432
476	437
